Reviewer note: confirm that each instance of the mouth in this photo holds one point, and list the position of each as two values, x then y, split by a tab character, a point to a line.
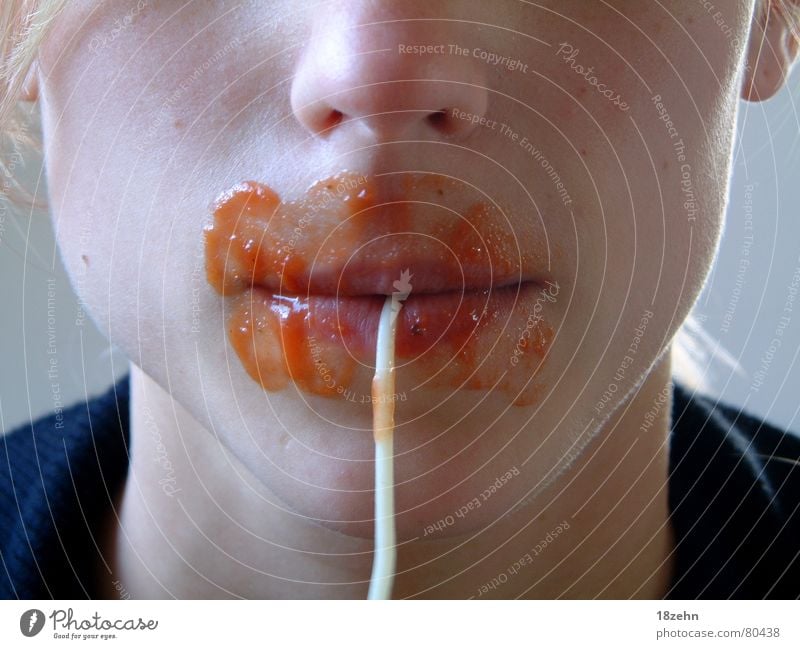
425	321
306	287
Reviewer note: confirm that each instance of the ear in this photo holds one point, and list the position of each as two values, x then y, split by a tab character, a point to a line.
771	51
30	87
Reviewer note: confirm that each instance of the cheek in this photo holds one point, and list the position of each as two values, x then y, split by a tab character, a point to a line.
656	170
119	166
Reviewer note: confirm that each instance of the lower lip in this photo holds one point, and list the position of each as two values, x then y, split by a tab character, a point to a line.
494	338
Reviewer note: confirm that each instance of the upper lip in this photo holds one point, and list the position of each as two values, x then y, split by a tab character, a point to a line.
365	251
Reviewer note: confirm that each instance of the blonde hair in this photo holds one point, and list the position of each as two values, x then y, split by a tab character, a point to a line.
23	26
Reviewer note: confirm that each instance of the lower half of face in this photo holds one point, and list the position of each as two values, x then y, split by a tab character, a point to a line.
237	191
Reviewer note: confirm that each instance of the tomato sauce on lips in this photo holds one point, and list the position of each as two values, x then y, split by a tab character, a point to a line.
305	281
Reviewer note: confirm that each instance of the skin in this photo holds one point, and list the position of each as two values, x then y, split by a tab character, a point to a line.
269	494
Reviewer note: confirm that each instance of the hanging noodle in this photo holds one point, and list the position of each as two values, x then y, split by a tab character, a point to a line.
385	557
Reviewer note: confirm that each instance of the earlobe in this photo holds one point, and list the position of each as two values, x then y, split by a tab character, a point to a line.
30	87
771	52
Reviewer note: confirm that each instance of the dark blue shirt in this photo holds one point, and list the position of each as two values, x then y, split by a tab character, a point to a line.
734	490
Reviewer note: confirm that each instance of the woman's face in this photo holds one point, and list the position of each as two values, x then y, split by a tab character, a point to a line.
560	168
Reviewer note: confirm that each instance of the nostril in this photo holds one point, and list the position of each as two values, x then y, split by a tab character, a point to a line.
438	120
334	118
444	121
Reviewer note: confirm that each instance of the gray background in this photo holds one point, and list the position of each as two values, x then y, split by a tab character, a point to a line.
50	356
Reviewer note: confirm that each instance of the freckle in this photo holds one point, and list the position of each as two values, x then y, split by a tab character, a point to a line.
583	152
85	259
582	91
178	123
665	165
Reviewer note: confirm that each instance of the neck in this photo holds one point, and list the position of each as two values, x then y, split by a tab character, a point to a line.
194	523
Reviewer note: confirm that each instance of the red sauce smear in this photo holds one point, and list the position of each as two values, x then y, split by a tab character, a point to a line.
306	279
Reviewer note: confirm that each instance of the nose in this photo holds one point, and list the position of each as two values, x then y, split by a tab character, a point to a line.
367	68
